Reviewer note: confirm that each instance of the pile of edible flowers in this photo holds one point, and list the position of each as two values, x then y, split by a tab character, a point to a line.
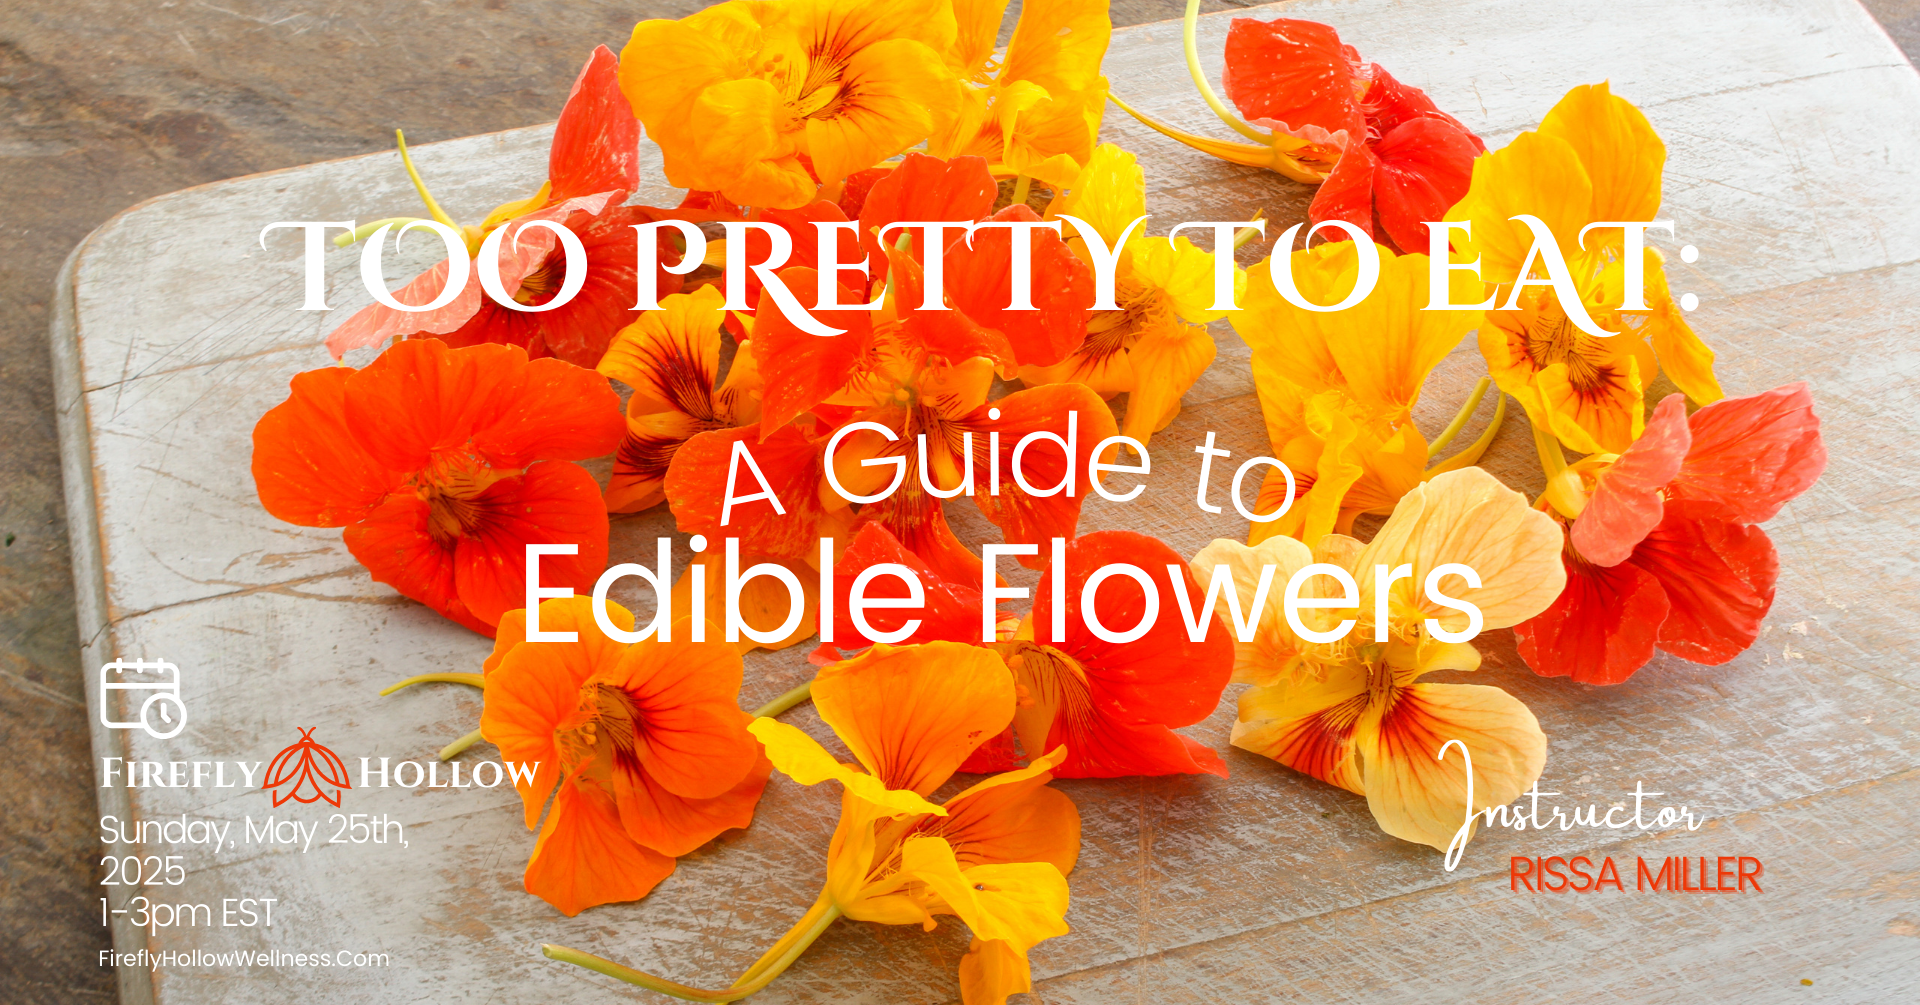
462	441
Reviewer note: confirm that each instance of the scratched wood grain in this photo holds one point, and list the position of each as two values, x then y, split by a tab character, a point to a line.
1792	128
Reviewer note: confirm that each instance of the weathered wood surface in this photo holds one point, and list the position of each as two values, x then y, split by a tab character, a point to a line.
1793	128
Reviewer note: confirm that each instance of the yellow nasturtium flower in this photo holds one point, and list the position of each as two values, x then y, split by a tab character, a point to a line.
1337	388
742	96
1037	111
996	855
1353	712
1594	159
1156	344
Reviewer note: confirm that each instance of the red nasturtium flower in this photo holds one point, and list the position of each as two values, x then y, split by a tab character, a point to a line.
645	743
1384	155
442	465
1398	157
593	167
1112	705
1666	553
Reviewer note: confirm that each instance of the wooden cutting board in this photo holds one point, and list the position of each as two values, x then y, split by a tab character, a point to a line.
1793	131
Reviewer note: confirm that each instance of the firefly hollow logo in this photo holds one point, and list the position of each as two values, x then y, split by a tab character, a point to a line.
306	770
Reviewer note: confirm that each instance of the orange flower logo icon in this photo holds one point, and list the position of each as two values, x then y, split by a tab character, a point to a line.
306	767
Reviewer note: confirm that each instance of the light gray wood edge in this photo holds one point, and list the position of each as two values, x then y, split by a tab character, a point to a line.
90	592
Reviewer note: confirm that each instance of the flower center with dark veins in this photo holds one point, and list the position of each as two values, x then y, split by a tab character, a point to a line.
603	732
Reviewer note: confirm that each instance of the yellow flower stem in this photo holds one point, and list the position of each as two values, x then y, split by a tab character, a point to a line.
433	208
452	750
1561	492
1022	185
802	929
474	679
1189	35
1473	453
785	701
366	230
1460	419
789	948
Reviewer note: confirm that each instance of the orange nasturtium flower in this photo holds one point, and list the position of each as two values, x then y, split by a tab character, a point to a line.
1156	345
1338	388
443	465
592	168
1594	158
1353	712
645	743
1036	111
671	359
765	101
996	855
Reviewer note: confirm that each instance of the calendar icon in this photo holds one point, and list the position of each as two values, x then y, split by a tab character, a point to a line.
163	715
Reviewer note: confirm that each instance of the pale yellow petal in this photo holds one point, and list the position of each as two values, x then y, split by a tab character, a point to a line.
1415	796
1468	517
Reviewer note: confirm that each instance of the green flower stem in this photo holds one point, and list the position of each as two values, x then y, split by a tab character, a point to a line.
785	701
367	230
1022	185
1189	35
1473	453
437	678
1460	419
452	750
805	929
1246	234
788	949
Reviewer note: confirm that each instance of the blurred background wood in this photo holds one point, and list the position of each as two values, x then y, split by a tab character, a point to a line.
109	103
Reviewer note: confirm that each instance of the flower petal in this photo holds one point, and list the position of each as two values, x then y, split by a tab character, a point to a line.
596	142
697	482
1468	517
1019	903
1622	154
1416	797
802	369
394	545
950	611
924	189
1307	725
307	467
419	398
692	737
1627	502
1021	516
558	412
1135	691
912	714
1425	166
1014	816
1719	578
797	756
555	502
979	283
1271	654
584	859
1292	71
1600	629
1750	455
673	824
